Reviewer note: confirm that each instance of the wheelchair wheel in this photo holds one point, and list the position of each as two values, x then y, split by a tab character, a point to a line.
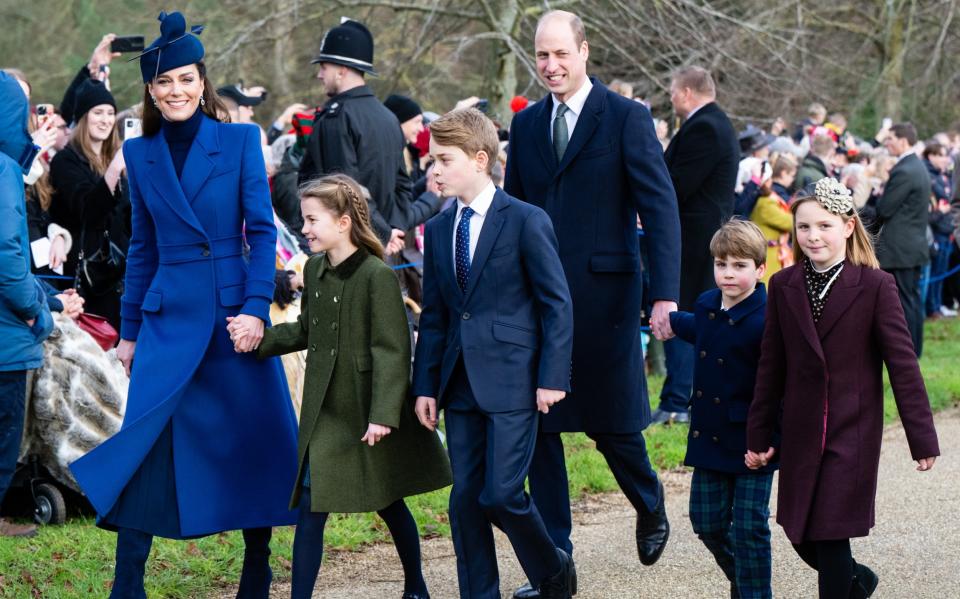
49	505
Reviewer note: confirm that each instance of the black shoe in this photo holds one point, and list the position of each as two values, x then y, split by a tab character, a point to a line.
653	530
561	585
865	582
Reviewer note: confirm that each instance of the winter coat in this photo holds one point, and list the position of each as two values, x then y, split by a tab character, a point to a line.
703	158
21	296
772	215
824	381
902	214
233	427
811	170
939	182
727	346
354	326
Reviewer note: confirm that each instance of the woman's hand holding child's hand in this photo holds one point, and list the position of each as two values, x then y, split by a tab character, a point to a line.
755	461
246	332
375	432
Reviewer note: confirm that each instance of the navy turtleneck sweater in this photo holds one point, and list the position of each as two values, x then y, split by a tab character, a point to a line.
179	136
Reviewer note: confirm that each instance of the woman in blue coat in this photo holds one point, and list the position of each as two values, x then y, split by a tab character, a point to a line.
208	441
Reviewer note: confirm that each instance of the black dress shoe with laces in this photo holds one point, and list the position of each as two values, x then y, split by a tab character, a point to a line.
560	585
653	530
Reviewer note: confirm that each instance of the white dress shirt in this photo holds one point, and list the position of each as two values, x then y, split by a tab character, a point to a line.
574	108
480	205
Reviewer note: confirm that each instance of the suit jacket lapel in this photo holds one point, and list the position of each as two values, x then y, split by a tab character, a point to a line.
800	309
199	164
587	123
845	291
443	249
542	132
163	178
492	224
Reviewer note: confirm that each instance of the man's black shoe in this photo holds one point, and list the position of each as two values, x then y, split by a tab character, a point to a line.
561	585
653	530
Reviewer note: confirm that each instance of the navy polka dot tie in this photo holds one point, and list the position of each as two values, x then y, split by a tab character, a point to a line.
463	247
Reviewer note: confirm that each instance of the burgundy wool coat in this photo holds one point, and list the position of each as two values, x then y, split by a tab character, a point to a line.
826	379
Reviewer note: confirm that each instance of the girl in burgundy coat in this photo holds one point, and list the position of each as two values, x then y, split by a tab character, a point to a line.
833	320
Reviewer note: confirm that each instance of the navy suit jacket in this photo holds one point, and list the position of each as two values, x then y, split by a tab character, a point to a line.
611	171
728	353
513	325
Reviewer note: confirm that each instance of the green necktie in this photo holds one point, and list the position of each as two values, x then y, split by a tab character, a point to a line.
560	134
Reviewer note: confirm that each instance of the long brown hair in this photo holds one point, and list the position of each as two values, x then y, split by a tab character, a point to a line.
859	245
342	195
80	141
212	105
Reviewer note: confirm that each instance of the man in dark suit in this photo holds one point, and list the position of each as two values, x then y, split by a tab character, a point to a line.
591	159
495	341
902	213
702	158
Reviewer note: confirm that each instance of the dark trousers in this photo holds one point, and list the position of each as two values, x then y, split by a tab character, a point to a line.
490	455
938	266
308	546
675	395
133	549
834	565
13	398
730	513
908	286
626	454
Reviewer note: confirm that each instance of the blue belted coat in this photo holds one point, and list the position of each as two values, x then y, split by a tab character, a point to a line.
230	418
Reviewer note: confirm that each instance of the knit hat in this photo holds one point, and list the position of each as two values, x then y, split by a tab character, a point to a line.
174	48
91	93
349	44
402	107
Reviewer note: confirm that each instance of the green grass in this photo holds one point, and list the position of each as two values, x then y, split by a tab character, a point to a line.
76	560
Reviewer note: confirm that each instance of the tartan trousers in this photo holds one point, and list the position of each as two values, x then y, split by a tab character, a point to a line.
730	513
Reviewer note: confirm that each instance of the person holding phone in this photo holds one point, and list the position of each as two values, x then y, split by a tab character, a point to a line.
208	442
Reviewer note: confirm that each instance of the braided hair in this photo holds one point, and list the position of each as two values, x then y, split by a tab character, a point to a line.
341	195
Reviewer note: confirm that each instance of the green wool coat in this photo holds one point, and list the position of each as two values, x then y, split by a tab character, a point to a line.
354	327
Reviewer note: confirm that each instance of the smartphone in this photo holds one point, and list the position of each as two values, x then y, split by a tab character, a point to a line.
41	109
127	43
132	128
482	105
887	123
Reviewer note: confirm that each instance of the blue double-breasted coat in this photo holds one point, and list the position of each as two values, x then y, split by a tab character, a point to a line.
229	415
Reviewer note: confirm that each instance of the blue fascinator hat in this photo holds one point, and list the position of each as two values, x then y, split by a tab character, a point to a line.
175	48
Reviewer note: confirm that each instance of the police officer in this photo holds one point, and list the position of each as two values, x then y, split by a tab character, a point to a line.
354	133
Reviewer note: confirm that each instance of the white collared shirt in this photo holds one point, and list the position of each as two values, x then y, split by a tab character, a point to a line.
480	204
904	155
694	111
574	108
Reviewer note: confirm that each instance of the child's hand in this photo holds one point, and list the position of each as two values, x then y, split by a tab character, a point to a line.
375	432
755	460
426	411
547	397
925	464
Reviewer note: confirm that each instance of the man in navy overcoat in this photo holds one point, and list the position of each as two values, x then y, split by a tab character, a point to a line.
594	169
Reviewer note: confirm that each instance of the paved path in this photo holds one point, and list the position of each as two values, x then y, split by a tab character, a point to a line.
915	547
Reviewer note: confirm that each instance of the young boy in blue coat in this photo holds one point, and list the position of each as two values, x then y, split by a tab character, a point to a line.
495	343
729	503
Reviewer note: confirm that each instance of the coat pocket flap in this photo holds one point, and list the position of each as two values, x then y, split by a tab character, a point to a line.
509	333
232	296
614	262
737	412
364	363
151	301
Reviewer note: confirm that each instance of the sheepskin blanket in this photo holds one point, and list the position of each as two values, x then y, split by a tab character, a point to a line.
77	400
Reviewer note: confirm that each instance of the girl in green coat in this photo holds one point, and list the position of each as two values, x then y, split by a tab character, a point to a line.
360	448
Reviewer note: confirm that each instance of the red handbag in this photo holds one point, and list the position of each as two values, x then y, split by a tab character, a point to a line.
100	329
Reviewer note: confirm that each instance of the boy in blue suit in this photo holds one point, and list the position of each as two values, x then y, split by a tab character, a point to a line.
729	503
494	348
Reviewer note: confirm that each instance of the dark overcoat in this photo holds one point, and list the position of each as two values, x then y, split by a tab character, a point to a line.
727	345
827	381
354	327
611	171
902	214
232	423
702	158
